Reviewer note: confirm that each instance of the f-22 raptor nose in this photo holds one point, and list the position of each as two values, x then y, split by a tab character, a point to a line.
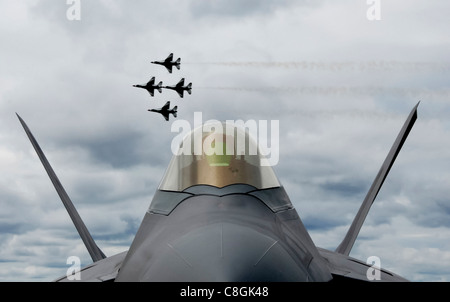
221	217
225	252
223	239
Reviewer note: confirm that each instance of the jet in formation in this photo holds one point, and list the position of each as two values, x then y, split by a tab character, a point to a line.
224	216
150	86
165	111
169	63
180	88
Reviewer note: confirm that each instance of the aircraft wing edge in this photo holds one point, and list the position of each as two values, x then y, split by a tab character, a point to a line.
347	243
344	268
104	270
94	251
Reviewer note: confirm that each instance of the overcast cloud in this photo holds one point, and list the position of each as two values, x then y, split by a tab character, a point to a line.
340	85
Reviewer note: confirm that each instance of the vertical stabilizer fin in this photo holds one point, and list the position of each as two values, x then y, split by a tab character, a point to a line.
93	249
350	238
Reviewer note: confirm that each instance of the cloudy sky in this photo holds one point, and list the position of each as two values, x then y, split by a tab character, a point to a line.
340	85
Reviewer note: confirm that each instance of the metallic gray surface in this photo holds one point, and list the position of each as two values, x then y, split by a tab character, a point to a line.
229	238
345	268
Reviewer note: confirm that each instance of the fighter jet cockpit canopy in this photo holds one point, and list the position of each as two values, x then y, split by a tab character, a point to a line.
218	154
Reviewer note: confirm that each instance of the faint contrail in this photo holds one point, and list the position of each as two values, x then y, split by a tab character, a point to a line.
347	113
368	66
344	90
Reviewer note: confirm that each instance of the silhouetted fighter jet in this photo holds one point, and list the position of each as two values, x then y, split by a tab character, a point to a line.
169	63
179	88
165	111
150	86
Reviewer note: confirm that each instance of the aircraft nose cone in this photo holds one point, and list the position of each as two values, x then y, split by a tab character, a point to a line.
226	252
